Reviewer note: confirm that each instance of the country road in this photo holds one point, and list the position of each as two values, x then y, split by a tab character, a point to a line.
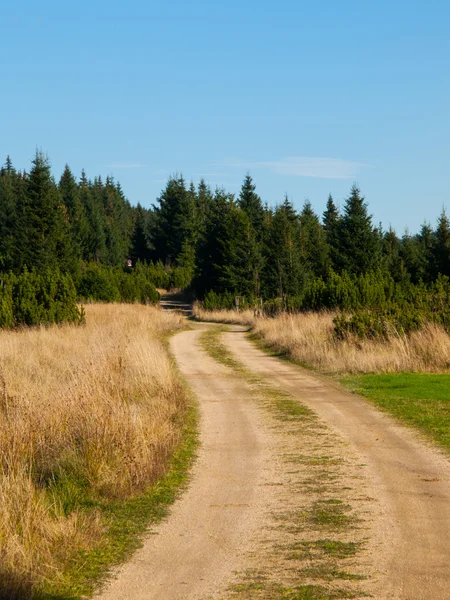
201	544
219	528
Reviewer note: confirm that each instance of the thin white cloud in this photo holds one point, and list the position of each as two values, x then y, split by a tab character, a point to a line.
126	166
206	175
303	166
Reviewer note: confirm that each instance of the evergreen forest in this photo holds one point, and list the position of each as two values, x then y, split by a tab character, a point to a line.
81	239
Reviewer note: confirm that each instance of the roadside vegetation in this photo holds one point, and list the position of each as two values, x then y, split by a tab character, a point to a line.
406	375
310	339
90	418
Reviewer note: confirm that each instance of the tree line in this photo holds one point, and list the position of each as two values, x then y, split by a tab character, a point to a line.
61	242
239	245
216	244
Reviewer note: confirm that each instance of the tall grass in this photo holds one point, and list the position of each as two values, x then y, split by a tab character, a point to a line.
86	413
244	317
308	338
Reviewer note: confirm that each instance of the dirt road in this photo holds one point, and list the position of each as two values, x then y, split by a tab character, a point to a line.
409	479
206	536
243	475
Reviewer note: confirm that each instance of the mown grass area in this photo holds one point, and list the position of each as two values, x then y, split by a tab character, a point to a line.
418	399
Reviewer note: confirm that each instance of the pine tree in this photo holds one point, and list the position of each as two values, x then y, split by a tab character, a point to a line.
359	242
45	221
8	215
140	244
243	262
427	271
70	194
94	244
168	234
313	244
187	218
204	206
392	258
331	219
251	204
7	168
412	256
441	246
118	222
284	272
211	259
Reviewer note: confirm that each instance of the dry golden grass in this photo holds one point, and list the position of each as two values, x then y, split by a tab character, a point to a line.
94	407
244	317
308	338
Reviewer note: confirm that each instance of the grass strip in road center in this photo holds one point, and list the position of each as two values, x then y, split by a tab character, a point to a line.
418	399
312	544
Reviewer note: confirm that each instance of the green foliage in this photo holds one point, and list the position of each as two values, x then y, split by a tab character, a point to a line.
250	203
100	283
201	240
358	241
210	255
214	301
284	268
6	303
241	270
313	246
400	315
33	298
158	275
331	222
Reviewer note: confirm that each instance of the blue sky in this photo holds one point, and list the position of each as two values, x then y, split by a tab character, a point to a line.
307	96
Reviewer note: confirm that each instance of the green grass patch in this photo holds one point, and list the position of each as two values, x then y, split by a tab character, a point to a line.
274	591
211	343
331	513
332	548
418	399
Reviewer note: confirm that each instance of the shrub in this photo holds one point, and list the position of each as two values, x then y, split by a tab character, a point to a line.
156	273
33	298
97	283
112	284
213	301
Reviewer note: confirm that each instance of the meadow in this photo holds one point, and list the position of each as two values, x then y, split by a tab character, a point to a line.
90	417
